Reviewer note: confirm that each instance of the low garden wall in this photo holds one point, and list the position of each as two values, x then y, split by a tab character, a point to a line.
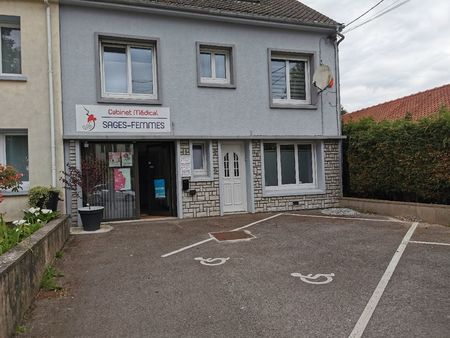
21	270
430	213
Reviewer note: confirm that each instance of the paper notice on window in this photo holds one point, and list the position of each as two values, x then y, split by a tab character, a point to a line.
185	165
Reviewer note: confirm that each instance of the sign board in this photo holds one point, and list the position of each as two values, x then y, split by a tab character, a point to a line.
160	188
185	165
122	119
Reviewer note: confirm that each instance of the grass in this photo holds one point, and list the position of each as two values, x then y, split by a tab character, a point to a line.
20	329
49	282
59	254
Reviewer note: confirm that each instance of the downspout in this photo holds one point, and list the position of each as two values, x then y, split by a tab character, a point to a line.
50	94
338	80
338	104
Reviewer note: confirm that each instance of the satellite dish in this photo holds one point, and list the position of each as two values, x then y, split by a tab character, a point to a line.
323	78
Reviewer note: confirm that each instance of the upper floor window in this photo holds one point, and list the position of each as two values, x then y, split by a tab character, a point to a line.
128	70
10	46
215	66
290	79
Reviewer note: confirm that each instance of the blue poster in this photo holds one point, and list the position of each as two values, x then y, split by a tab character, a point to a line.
160	188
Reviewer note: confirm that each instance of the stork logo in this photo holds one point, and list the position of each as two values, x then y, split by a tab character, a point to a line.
90	121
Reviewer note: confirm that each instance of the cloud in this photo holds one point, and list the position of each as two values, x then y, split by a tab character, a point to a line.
400	53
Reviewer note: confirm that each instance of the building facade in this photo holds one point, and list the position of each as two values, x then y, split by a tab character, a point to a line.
198	111
30	97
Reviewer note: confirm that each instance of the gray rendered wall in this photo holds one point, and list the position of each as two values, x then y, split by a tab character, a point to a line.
216	112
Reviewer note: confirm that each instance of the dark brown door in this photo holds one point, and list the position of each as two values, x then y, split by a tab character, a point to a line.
156	179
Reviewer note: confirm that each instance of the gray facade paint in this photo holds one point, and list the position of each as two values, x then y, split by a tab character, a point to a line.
243	112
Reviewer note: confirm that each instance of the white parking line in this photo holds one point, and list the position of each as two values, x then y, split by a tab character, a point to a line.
210	239
360	326
430	243
354	218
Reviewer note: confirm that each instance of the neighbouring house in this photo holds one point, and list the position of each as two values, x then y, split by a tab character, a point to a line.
415	106
201	108
30	104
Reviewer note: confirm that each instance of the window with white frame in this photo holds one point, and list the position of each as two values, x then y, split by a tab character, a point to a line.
10	46
14	152
290	166
290	79
128	70
215	65
200	159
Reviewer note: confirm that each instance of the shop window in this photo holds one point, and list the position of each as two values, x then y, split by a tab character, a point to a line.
290	79
14	152
117	190
10	46
200	159
290	166
128	70
215	66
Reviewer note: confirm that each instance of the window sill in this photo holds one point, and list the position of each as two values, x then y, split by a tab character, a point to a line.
292	192
13	194
293	106
202	179
216	85
12	77
128	100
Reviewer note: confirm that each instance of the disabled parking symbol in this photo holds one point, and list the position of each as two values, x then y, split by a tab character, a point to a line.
317	279
211	261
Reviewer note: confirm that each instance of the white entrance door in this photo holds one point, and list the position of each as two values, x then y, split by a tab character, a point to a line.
233	177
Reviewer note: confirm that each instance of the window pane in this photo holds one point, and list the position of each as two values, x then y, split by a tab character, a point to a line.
287	156
10	57
115	69
17	154
305	163
297	80
270	164
220	66
142	70
205	64
279	90
197	154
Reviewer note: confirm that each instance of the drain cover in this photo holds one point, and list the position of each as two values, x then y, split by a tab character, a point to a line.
240	235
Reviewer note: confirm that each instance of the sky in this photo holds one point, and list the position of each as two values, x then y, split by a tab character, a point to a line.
401	53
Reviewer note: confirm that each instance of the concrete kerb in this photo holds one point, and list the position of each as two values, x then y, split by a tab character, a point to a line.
430	213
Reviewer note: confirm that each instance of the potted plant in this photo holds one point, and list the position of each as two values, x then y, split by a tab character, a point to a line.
84	183
43	198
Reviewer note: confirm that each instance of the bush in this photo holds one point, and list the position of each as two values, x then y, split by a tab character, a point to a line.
34	219
41	197
399	160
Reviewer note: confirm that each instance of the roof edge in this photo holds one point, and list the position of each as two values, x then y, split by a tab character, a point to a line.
214	15
398	99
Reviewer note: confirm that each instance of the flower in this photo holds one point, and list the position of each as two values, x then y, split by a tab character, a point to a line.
19	222
34	210
46	211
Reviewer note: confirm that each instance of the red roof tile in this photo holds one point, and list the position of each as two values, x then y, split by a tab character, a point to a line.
418	105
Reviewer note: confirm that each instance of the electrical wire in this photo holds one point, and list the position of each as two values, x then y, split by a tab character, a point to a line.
378	15
359	17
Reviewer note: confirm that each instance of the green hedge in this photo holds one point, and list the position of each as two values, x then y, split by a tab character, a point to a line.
400	160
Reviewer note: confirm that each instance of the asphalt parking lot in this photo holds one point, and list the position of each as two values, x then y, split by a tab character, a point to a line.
369	276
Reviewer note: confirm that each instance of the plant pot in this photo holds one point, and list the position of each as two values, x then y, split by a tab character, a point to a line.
53	200
91	217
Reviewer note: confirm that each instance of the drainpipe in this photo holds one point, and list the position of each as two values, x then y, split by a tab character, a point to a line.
338	80
338	103
50	94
